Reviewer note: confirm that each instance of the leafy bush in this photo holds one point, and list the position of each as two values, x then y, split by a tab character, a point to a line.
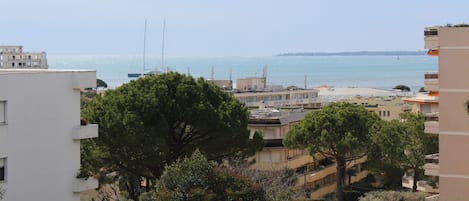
393	196
196	178
402	87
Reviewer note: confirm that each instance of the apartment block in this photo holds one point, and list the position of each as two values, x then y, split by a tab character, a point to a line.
317	175
307	98
40	133
451	45
14	57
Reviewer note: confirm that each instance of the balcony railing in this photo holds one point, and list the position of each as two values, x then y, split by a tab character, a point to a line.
85	131
431	38
432	167
431	75
432	127
430	33
431	116
422	185
80	185
432	158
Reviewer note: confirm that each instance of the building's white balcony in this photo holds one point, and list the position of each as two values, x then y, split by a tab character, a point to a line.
431	42
431	82
431	38
80	185
432	167
84	79
85	131
422	185
431	127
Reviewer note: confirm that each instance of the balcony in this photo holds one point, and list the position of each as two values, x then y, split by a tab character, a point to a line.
85	131
431	82
431	127
80	185
431	123
432	167
84	79
431	38
422	185
300	160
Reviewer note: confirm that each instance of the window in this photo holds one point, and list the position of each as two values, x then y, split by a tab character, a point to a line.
3	162
3	112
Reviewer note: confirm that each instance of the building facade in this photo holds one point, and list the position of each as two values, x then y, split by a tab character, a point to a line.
251	84
317	175
14	57
307	98
451	45
40	132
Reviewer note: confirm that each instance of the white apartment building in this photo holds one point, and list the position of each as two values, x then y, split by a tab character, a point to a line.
40	132
14	57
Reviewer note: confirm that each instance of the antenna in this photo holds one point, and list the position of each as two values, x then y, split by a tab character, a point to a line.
144	45
230	73
306	81
162	47
264	75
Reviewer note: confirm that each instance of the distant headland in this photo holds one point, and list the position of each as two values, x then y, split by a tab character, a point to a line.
357	53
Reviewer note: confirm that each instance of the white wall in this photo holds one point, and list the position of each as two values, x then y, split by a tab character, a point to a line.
42	158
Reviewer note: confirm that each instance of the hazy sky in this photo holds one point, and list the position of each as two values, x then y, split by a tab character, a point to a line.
222	28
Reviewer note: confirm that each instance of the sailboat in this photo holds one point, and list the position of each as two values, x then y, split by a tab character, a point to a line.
145	72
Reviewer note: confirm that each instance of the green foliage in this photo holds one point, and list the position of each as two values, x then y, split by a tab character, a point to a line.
148	196
196	178
402	87
393	196
402	143
152	121
339	131
422	89
101	83
279	185
467	106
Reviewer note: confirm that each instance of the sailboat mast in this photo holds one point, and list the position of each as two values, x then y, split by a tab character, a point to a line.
144	45
162	47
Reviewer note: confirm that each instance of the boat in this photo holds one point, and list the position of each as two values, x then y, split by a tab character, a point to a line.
145	72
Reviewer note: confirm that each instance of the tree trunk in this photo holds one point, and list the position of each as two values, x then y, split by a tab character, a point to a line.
340	170
414	185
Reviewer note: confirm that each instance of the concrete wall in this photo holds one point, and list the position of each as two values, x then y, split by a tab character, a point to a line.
453	118
43	160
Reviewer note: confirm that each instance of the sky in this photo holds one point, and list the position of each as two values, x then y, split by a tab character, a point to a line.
217	28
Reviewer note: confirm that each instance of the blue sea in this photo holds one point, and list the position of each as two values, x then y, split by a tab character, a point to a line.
383	72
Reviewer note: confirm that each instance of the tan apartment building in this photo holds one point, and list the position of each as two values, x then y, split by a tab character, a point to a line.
318	175
14	57
307	98
451	45
387	108
251	83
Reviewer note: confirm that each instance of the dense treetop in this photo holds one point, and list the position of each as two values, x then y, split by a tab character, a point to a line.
152	121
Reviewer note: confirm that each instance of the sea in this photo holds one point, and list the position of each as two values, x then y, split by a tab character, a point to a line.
381	72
